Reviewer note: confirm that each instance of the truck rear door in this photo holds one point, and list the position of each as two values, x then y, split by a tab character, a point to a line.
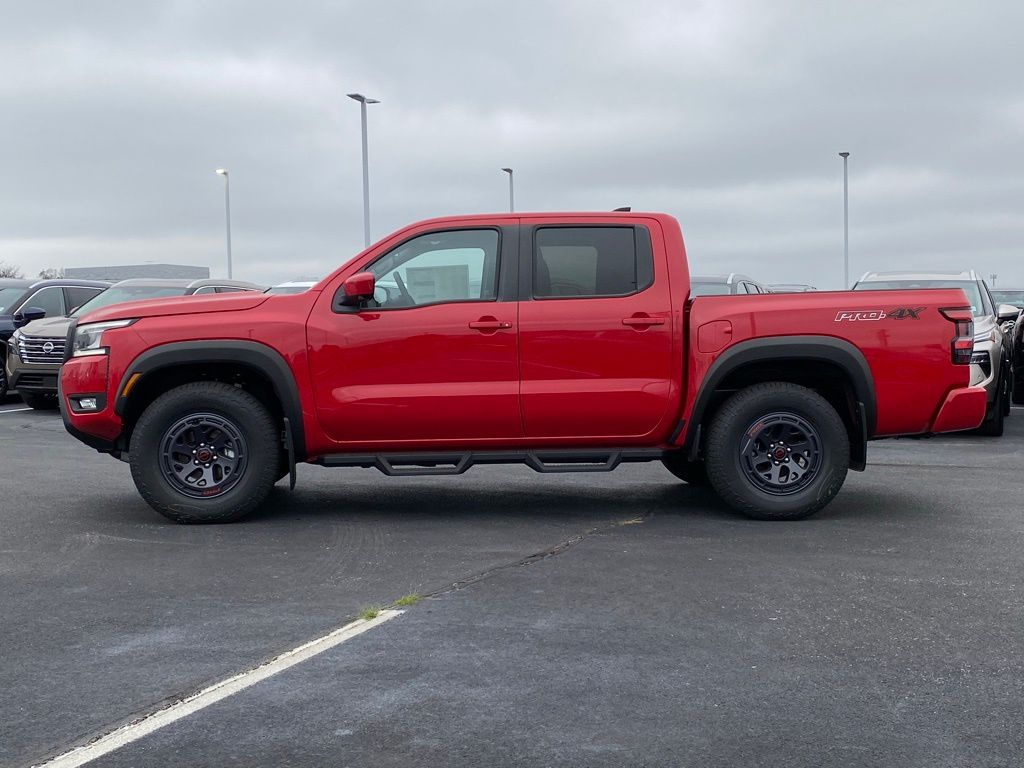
595	329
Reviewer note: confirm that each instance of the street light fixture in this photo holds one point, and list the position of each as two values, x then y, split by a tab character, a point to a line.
846	221
511	191
363	101
227	211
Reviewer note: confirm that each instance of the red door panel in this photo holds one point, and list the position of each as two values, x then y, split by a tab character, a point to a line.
444	372
599	367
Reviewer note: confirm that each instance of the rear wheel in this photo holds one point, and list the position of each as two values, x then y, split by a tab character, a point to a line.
777	451
205	452
39	401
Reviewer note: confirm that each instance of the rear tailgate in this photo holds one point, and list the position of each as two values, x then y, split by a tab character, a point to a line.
902	335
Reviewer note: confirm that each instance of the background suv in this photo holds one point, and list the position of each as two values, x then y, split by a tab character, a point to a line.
36	351
38	298
725	285
991	363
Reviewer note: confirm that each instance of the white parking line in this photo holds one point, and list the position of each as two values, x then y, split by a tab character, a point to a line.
214	693
15	410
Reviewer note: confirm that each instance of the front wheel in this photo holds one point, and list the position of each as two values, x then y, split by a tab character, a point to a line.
777	451
205	452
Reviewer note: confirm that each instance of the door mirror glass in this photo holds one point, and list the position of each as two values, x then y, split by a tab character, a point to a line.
356	289
1008	312
27	315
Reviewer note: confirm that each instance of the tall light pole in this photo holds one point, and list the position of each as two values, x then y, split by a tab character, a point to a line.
511	191
363	101
227	211
846	220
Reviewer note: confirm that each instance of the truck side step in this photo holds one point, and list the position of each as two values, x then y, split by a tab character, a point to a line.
546	461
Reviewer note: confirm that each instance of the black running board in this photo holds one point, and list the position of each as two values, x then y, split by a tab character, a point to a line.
455	463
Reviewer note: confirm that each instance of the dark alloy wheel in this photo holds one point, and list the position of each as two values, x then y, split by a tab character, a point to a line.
205	452
203	455
781	453
777	451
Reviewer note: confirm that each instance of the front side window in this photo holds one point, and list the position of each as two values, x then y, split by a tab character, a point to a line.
49	299
576	262
439	267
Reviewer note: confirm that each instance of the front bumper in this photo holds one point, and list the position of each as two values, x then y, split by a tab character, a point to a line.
963	409
87	377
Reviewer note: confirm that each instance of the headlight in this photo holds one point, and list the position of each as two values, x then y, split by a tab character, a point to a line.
88	337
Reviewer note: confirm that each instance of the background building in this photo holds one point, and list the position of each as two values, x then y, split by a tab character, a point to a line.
127	271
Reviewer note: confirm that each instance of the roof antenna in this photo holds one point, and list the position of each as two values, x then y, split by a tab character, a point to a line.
624	208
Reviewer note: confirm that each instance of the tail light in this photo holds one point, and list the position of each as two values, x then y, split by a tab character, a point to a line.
963	341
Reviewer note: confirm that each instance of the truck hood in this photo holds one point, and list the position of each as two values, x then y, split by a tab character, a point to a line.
176	305
50	327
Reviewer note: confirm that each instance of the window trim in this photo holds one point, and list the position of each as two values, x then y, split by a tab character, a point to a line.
499	274
528	278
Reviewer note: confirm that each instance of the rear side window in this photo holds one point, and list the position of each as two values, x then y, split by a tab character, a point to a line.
582	262
76	297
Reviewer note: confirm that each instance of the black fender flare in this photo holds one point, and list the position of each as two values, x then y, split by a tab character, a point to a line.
826	349
251	354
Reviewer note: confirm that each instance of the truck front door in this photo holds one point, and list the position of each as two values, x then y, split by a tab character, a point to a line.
434	358
595	331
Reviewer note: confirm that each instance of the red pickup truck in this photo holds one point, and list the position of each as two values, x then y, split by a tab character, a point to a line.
568	342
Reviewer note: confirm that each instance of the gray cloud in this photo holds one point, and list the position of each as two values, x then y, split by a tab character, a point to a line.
728	115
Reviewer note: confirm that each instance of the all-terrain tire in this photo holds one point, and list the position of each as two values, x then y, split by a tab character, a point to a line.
692	472
732	429
244	413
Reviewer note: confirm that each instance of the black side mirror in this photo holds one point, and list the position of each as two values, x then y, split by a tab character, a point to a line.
27	315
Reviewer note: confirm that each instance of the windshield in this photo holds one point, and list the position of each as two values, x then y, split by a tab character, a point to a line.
289	289
117	295
8	298
1016	298
969	286
710	289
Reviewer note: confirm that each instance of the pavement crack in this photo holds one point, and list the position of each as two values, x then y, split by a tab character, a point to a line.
563	546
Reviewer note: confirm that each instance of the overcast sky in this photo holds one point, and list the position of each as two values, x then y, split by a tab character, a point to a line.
729	115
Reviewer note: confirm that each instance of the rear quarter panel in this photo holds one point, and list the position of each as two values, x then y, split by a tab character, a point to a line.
902	335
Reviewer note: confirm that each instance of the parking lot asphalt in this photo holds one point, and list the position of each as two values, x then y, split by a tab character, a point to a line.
619	619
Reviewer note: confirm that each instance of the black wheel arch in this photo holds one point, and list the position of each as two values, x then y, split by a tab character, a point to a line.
807	360
179	362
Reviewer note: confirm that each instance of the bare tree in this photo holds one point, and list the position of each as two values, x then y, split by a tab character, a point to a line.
9	270
51	273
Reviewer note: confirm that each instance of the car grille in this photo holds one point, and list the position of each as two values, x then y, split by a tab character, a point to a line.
41	350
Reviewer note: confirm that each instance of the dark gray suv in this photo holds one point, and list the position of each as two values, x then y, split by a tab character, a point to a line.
22	301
